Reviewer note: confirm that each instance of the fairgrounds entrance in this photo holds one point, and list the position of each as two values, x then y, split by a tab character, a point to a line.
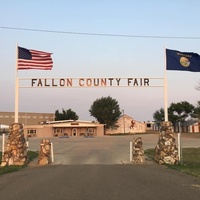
68	83
93	150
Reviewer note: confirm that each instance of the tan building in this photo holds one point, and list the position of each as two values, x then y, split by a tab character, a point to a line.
43	125
127	124
65	128
25	118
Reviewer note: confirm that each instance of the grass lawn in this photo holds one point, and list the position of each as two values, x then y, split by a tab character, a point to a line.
190	161
8	169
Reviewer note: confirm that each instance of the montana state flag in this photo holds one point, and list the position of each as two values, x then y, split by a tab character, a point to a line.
183	61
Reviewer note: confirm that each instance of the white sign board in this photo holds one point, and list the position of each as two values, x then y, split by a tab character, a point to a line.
89	82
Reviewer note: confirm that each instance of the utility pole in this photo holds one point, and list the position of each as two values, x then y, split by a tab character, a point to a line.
123	120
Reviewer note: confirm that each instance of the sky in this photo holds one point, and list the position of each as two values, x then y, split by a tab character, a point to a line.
93	56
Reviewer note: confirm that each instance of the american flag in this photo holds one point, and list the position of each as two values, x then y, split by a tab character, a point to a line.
33	59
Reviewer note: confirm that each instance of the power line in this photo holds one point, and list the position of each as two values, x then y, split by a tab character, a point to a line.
102	34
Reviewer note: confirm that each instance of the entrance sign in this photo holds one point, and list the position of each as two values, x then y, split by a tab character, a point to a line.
63	82
89	82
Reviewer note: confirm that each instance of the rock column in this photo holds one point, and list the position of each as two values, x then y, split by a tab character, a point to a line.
45	152
138	152
16	148
166	151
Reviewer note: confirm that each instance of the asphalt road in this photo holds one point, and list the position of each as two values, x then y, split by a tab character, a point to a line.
99	169
101	150
99	182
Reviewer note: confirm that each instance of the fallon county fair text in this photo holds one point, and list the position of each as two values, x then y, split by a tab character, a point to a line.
90	82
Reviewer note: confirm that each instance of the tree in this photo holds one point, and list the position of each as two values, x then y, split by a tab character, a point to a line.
197	111
158	116
180	111
106	110
65	115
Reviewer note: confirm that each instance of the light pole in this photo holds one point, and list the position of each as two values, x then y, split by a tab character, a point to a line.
123	120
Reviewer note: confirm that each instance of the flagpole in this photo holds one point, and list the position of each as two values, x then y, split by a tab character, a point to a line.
165	89
16	87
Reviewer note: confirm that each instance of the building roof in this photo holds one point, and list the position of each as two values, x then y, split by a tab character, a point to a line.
191	122
68	123
74	126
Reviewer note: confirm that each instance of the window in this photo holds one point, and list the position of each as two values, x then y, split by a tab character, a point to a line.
148	125
58	130
31	132
91	131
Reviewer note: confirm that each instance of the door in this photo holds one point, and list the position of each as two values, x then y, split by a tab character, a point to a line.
74	132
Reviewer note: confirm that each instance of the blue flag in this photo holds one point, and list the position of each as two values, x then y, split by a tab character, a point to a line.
184	61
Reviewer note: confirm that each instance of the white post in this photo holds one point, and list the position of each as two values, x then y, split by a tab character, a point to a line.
131	151
27	144
165	90
179	144
52	155
16	87
3	144
179	147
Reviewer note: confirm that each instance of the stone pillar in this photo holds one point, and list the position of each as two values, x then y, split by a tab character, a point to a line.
45	152
138	152
16	148
166	151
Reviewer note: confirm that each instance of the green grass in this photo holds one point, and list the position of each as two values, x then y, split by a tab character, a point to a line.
150	153
190	161
8	169
32	155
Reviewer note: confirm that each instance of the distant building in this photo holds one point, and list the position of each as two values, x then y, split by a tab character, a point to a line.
43	125
127	124
71	128
194	127
190	126
3	128
26	118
